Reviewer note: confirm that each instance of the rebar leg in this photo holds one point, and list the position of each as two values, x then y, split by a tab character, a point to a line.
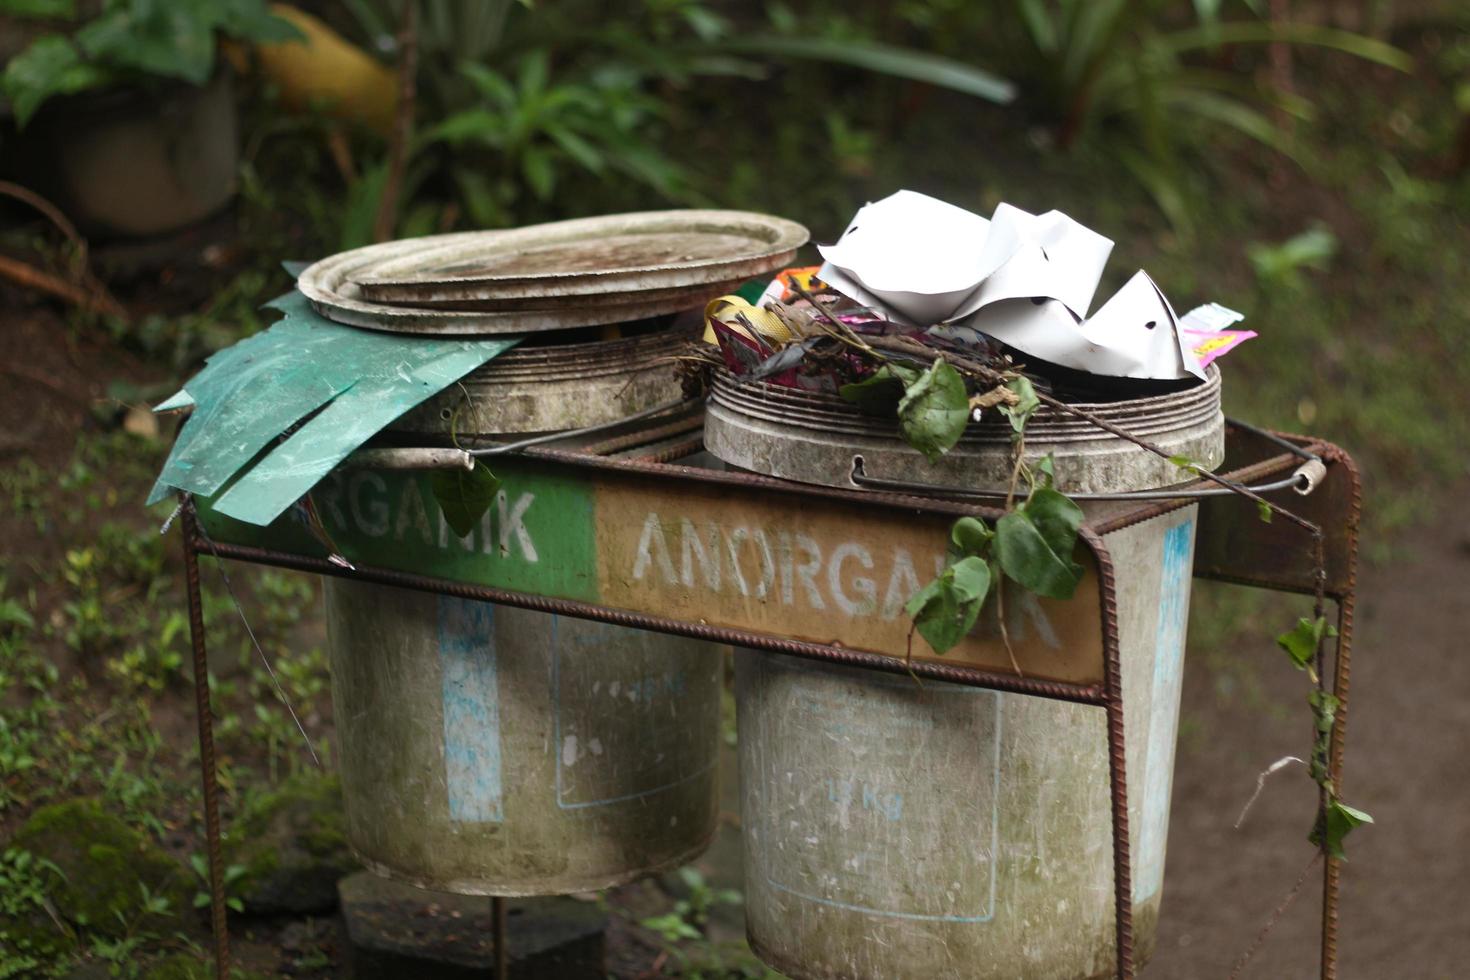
1122	873
207	769
1341	681
502	955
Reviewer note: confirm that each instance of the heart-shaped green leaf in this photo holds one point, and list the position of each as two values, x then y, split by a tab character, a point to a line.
1026	556
970	536
464	495
947	608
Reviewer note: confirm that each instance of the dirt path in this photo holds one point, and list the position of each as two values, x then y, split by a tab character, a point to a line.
1403	913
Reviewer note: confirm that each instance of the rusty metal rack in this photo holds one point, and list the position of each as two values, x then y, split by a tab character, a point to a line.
617	497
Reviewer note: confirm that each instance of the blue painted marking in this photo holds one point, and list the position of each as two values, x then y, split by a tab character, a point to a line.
472	762
1163	724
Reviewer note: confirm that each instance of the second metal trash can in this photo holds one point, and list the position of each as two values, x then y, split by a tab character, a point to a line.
941	831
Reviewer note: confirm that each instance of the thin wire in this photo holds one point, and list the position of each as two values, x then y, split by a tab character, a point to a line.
1269	436
862	480
1276	915
280	692
588	430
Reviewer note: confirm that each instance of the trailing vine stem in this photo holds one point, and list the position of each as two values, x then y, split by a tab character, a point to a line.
1334	817
950	603
1306	643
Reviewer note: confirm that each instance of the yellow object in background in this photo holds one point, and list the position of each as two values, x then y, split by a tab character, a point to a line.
729	310
329	71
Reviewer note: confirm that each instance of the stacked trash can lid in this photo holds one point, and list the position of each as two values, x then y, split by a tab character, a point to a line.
557	276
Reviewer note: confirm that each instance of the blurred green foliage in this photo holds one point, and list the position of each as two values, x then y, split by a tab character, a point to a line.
129	42
528	113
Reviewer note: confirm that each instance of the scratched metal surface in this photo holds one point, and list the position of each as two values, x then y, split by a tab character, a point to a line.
591	256
624	267
814	437
938	831
487	750
551	388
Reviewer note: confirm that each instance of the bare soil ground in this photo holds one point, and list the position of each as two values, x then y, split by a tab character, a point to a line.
1403	912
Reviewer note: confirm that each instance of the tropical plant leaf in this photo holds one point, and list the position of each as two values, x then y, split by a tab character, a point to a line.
169	40
1161	185
39	9
472	125
540	172
1261	32
1039	24
51	66
884	59
252	20
576	147
1230	112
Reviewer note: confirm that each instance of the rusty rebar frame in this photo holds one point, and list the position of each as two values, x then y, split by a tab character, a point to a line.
1108	695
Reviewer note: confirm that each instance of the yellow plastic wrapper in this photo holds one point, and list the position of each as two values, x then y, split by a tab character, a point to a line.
729	310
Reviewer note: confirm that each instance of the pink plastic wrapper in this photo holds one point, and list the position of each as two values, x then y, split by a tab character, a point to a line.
1207	345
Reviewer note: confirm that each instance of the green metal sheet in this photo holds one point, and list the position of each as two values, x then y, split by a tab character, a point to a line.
352	418
356	381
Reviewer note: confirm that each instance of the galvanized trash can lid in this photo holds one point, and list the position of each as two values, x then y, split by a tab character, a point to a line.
555	276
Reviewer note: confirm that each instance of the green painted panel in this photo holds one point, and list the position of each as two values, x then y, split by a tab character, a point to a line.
538	537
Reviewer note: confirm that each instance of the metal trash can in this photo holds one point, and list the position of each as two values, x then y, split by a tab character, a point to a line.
938	831
499	751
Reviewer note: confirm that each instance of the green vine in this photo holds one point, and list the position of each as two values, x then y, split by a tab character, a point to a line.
1335	819
1032	542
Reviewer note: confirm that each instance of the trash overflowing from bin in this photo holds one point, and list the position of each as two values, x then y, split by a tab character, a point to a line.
929	310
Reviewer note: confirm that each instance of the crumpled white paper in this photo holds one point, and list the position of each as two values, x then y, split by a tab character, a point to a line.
912	255
1026	280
